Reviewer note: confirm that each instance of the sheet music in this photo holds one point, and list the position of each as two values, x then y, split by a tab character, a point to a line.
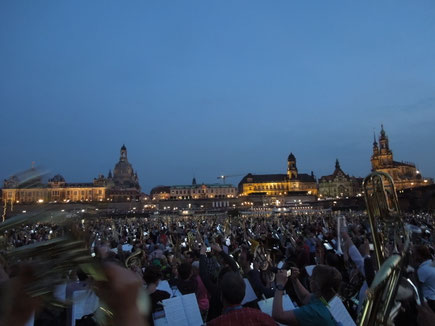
309	269
249	293
339	312
191	309
164	286
174	312
287	303
267	305
160	322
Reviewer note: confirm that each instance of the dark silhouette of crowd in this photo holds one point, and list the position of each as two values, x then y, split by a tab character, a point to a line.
212	257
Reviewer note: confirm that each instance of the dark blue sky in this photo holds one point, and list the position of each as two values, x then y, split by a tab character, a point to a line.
201	88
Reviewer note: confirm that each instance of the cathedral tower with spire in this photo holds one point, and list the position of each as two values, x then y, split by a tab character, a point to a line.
404	174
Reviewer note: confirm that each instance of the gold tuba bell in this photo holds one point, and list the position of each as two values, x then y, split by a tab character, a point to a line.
134	261
391	244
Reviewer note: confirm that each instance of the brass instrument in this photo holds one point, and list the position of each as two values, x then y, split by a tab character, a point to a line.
52	259
134	261
387	228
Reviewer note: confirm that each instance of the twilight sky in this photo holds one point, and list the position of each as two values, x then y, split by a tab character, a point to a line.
205	87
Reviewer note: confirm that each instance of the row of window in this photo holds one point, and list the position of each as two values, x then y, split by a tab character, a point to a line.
24	194
194	197
274	187
199	191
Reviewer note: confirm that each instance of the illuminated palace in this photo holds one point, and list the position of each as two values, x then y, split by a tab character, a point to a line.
279	184
122	186
404	174
56	190
193	191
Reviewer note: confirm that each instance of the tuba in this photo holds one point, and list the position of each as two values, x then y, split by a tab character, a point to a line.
52	259
134	261
389	234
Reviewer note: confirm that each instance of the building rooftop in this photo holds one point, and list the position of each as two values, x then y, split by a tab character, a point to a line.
263	178
208	185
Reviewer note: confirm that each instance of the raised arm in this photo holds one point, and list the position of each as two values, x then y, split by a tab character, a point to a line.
278	313
302	293
203	272
227	259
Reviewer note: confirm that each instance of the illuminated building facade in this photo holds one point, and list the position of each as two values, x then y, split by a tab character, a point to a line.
404	174
279	184
161	193
122	186
339	184
194	191
56	190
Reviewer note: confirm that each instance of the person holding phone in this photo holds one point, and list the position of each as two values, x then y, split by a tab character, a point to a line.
324	284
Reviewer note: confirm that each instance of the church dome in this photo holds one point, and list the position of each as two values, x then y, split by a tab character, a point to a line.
123	173
57	178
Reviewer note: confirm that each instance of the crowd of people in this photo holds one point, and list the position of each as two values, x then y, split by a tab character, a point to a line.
210	256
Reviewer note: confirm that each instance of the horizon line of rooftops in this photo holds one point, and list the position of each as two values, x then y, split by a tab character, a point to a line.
126	173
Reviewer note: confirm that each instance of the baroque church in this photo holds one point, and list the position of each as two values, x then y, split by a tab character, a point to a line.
405	174
29	187
279	184
124	183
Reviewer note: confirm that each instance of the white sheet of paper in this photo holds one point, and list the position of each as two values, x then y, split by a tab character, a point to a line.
182	311
164	286
249	293
309	269
266	305
339	312
127	247
192	310
160	322
174	312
